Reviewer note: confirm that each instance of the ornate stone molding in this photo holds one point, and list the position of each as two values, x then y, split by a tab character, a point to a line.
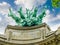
40	35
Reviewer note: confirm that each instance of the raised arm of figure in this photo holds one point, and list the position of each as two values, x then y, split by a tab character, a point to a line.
21	13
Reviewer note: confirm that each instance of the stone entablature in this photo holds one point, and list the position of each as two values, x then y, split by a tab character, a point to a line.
27	33
40	35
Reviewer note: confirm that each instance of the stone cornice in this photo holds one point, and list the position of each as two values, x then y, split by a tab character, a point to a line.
27	28
52	37
47	39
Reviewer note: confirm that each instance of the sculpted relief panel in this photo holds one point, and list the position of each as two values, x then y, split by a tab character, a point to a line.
27	34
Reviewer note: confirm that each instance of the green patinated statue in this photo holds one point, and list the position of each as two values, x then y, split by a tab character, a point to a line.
30	17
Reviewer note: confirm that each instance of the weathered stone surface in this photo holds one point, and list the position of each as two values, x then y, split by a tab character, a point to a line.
36	35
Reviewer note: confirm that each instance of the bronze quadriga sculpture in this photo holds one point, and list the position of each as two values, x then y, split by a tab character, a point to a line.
29	18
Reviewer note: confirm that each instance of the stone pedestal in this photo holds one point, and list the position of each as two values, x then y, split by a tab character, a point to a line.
35	35
27	35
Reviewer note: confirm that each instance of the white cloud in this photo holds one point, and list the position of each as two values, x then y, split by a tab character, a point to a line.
54	27
47	12
0	18
2	30
47	17
4	19
50	18
29	3
4	8
10	21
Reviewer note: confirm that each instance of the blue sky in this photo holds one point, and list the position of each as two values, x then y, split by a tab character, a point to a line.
52	14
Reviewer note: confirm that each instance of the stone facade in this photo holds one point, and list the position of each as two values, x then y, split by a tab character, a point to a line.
35	35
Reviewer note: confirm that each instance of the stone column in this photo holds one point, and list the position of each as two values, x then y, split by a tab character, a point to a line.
9	35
